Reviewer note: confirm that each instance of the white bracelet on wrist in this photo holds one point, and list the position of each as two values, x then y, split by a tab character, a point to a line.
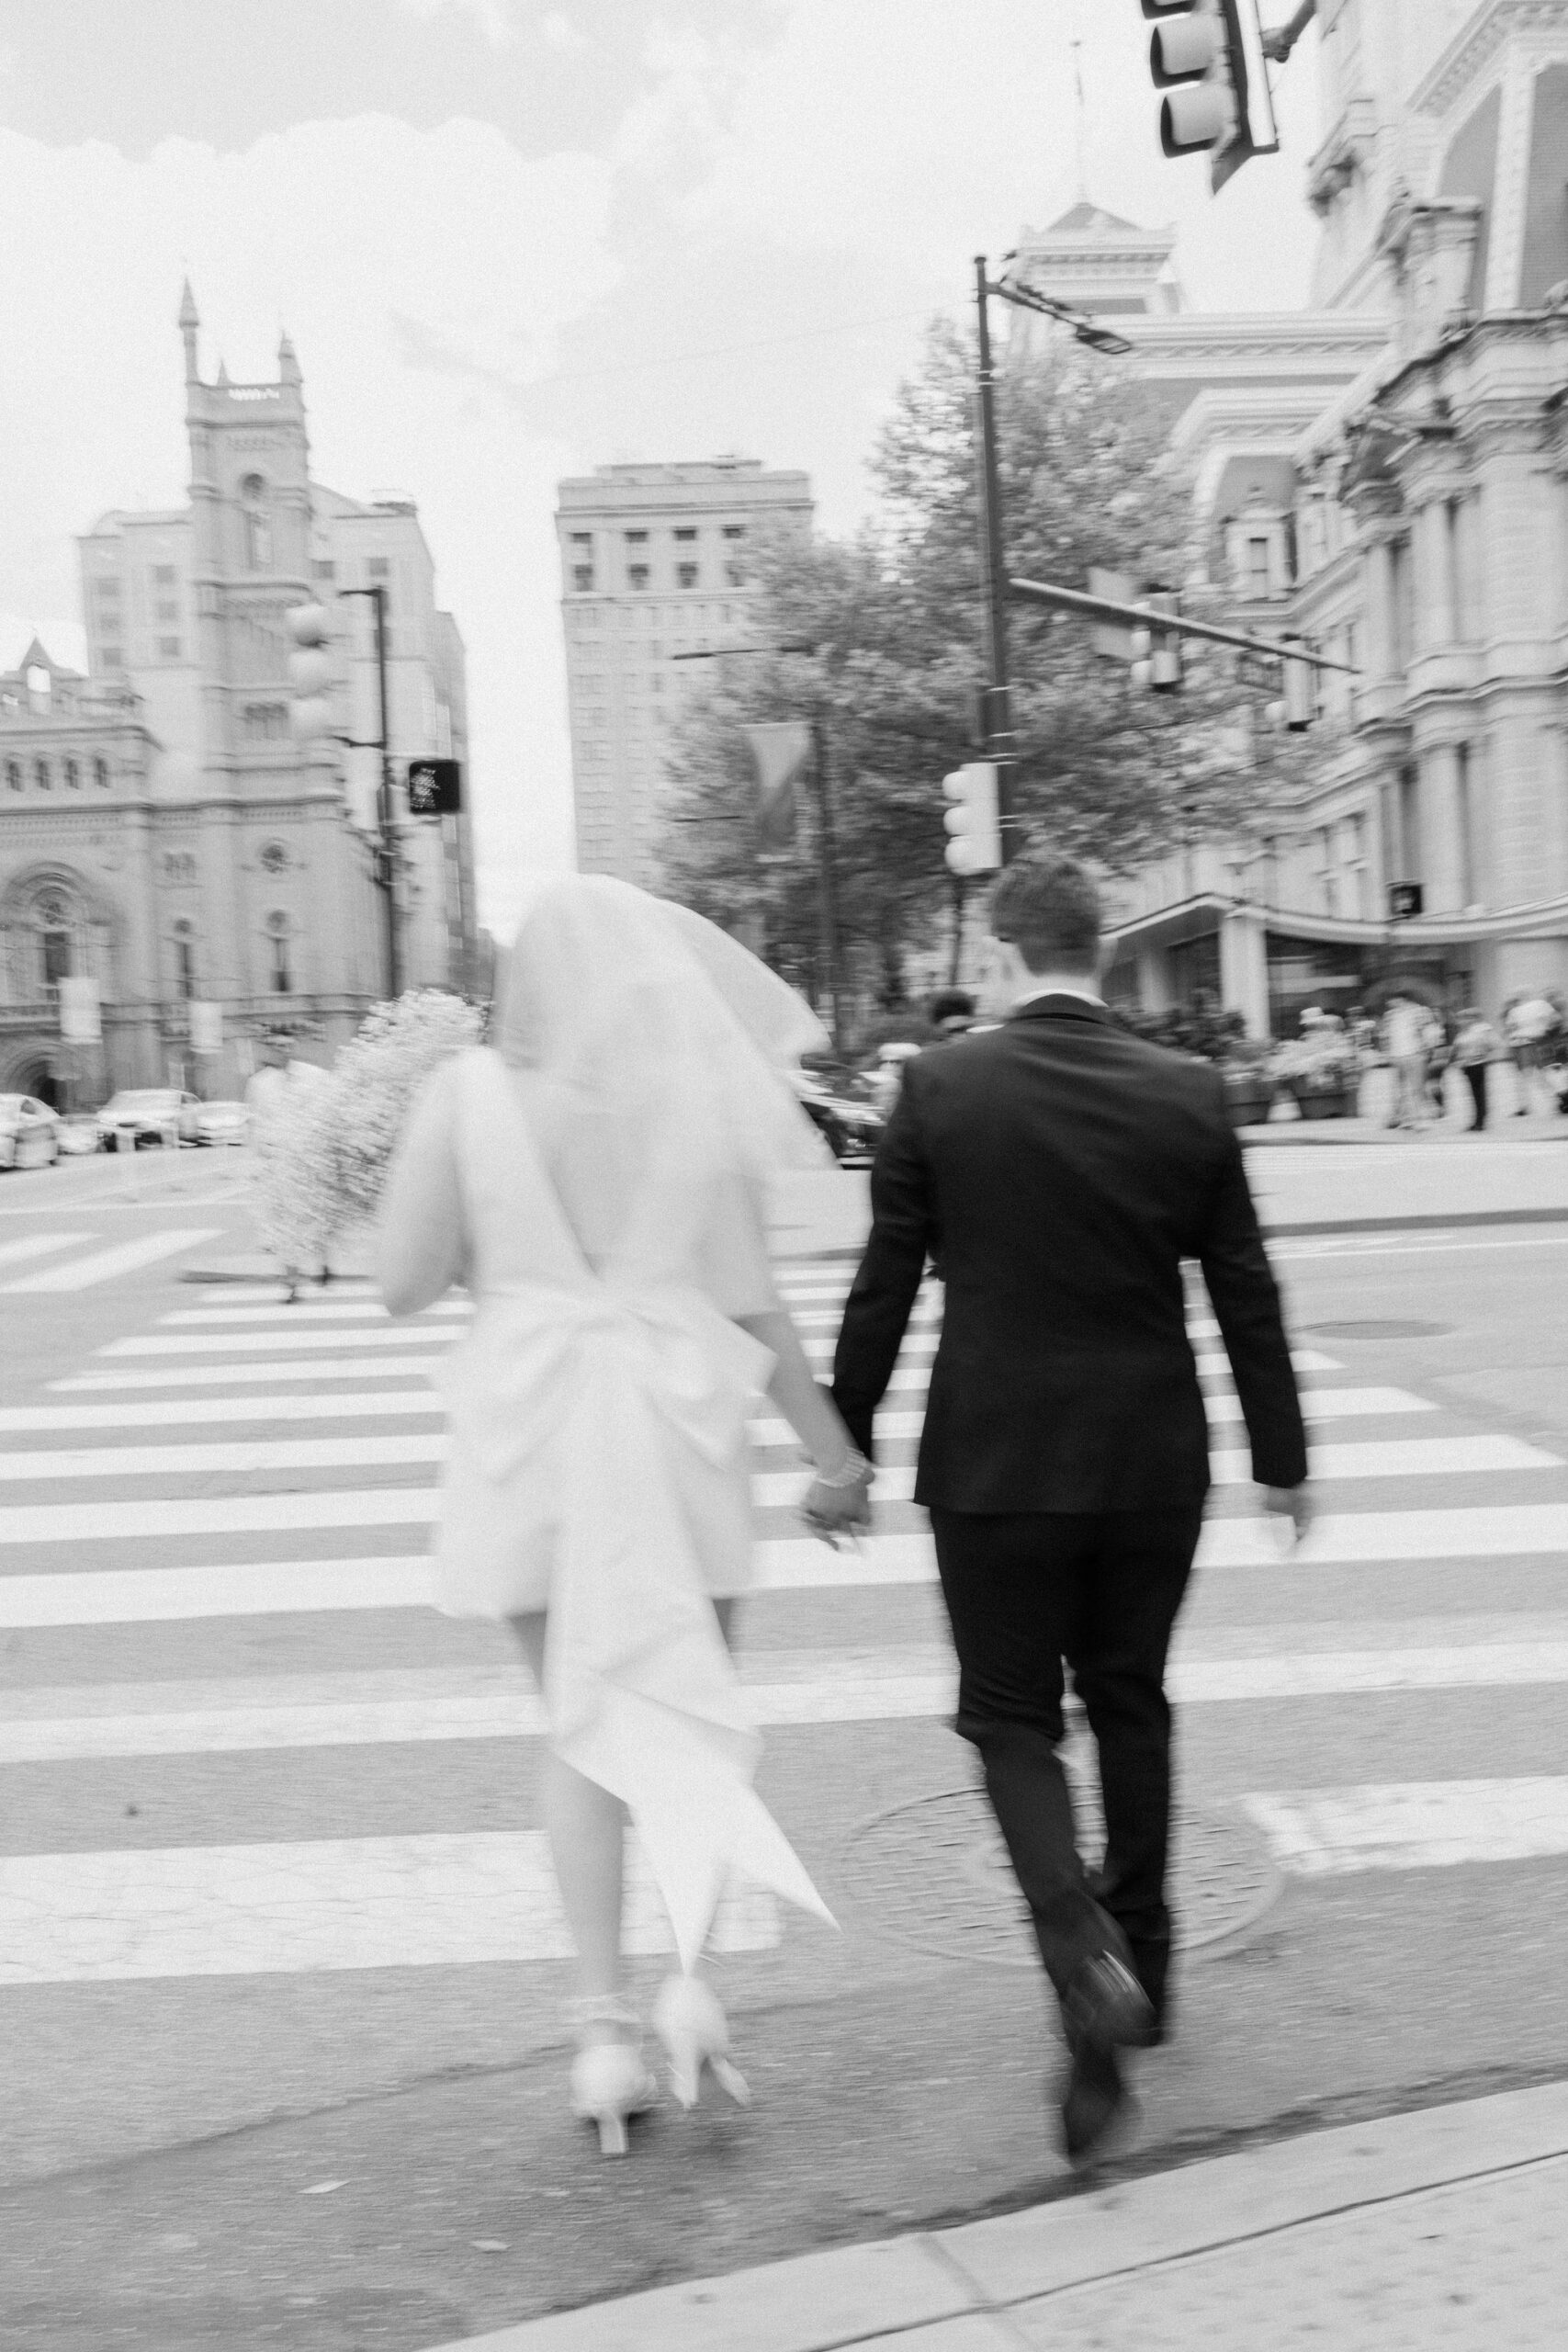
856	1467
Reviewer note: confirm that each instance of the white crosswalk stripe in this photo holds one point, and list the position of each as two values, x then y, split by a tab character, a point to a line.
102	1463
102	1265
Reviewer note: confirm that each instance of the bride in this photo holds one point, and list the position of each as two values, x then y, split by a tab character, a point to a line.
596	1181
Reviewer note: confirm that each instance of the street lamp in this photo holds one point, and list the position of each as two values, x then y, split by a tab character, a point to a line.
999	736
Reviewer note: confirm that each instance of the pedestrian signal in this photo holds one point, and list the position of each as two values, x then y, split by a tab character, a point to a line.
436	788
1208	56
973	821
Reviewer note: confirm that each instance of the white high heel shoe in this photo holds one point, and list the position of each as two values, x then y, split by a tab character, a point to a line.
609	2080
689	2022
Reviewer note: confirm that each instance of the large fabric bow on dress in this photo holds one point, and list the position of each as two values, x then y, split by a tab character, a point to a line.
600	1384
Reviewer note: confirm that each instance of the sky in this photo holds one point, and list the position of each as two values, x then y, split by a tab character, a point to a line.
513	241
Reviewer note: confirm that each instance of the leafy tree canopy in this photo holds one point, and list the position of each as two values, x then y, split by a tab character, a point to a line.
892	621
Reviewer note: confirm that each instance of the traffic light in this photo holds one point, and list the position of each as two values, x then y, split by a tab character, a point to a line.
309	671
1301	691
1156	652
975	846
1208	56
435	788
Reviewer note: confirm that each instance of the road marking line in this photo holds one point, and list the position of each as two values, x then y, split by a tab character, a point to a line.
207	1343
1413	1824
102	1265
845	1686
168	1412
236	1458
369	1310
38	1244
216	1515
230	1375
414	1901
256	1589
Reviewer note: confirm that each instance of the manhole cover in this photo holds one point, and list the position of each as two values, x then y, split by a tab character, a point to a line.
1371	1329
935	1873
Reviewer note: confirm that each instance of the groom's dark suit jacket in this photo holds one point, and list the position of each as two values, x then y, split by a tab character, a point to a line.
1059	1170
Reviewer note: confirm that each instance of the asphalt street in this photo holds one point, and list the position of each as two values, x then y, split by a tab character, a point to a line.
280	1968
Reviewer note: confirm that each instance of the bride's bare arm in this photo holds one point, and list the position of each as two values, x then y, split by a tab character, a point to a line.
422	1247
800	1398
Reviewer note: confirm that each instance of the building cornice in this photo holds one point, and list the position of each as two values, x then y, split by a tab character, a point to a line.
1467	58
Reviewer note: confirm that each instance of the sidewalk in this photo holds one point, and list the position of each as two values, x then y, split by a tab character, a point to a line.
1433	2230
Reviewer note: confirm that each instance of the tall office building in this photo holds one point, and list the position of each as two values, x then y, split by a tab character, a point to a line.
655	560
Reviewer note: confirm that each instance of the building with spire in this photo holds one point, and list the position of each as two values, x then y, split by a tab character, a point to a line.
1385	475
162	832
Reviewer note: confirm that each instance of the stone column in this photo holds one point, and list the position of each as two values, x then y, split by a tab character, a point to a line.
1378	573
1244	968
1433	596
1441	845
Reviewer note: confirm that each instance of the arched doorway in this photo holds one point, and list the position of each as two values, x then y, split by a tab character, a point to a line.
34	1074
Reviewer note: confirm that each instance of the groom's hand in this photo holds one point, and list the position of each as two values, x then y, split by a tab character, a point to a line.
1293	1503
837	1509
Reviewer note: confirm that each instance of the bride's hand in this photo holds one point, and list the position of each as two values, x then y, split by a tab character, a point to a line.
839	1504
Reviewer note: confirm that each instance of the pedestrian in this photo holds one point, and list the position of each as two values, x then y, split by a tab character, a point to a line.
1438	1056
1476	1046
1532	1027
596	1182
1407	1036
1066	1168
951	1012
887	1076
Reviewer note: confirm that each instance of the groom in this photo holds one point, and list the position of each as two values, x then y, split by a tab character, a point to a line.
1060	1170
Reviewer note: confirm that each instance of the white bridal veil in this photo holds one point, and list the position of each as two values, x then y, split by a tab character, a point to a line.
667	1042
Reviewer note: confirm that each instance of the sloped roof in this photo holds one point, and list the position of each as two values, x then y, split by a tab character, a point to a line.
1085	218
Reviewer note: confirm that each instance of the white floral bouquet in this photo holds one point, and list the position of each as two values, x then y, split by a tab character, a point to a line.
329	1145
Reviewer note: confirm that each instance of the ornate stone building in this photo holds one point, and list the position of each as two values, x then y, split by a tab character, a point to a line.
160	830
1387	475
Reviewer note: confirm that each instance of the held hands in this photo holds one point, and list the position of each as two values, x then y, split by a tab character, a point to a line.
839	1505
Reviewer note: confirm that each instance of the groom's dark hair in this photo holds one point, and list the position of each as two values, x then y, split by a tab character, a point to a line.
1049	908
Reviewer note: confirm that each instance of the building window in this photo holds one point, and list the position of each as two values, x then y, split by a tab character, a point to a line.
54	940
13	775
273	857
1257	567
112	657
582	538
168	649
179	866
377	568
106	591
279	976
636	539
266	722
686	533
637	576
184	959
72	775
583	577
257	524
41	776
322	568
735	575
164	574
168	613
686	575
101	775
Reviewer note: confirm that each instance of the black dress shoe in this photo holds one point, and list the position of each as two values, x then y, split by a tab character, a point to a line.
1105	2010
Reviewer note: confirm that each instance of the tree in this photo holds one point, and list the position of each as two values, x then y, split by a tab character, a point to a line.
1105	771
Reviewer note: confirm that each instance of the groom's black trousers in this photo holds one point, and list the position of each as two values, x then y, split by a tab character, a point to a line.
1025	1590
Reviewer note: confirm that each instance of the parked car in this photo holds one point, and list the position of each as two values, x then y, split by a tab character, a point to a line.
852	1129
222	1122
79	1133
29	1132
148	1114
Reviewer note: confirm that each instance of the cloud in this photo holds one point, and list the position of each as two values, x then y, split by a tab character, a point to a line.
424	276
494	17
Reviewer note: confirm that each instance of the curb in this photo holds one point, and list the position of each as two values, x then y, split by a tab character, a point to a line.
896	2289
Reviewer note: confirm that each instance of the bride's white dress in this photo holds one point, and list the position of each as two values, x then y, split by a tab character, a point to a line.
598	1464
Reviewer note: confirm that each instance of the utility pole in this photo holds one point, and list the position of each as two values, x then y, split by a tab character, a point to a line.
826	883
386	853
998	738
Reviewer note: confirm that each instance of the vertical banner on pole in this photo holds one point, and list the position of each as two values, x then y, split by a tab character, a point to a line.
780	750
